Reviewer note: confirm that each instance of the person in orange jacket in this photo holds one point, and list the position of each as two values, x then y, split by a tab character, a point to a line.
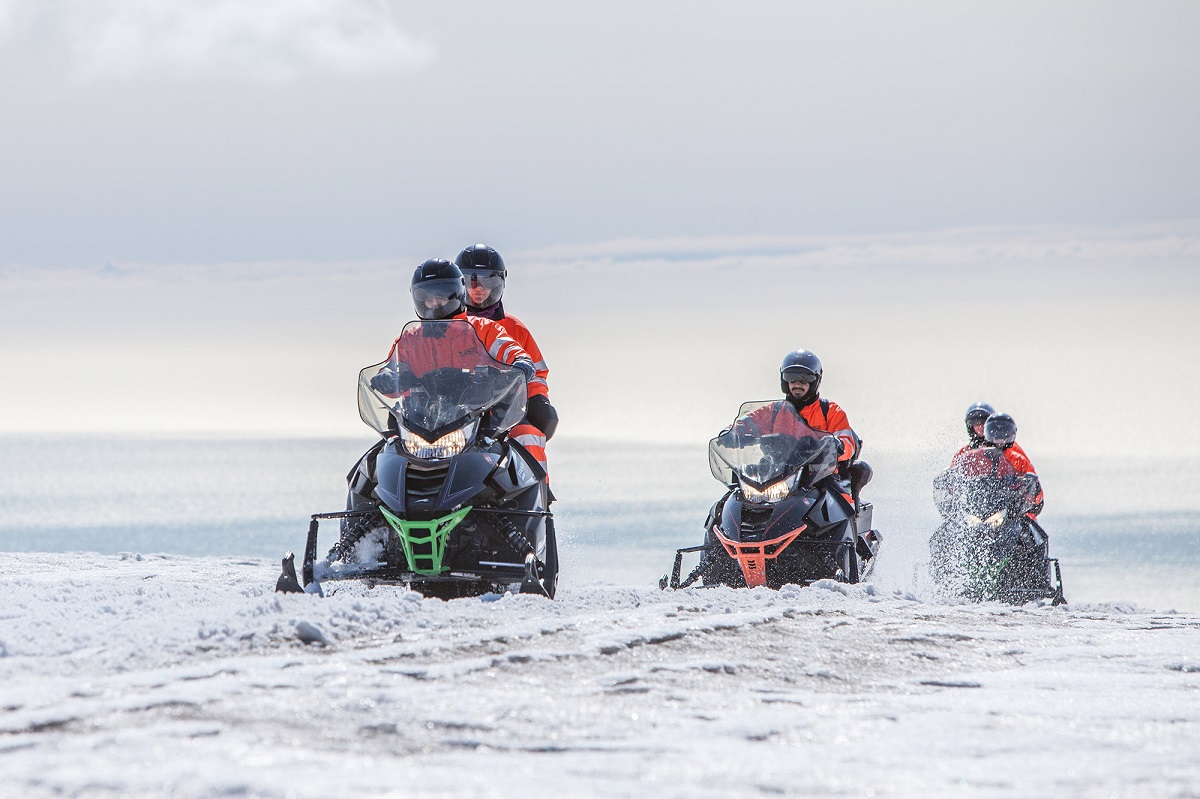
485	275
800	376
800	379
1000	430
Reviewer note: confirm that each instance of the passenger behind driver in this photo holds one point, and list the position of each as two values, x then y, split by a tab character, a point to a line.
485	274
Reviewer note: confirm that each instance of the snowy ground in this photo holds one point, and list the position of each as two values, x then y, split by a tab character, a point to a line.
157	675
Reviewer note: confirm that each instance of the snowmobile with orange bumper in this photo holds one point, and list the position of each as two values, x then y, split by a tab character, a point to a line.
787	517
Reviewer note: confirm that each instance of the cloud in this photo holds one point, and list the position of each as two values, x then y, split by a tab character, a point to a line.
267	40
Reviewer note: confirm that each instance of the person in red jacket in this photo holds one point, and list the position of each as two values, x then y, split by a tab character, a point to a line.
1000	430
977	416
439	293
485	275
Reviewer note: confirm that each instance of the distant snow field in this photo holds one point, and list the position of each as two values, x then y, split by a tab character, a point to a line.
159	675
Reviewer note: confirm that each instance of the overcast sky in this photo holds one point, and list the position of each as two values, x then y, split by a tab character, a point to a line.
215	130
210	209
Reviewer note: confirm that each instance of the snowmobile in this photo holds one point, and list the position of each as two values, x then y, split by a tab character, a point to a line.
445	503
787	517
989	547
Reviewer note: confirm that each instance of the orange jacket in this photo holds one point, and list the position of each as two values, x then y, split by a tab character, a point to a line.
769	420
519	333
430	353
834	422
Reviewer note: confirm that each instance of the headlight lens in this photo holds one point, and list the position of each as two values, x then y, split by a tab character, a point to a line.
449	445
993	521
775	492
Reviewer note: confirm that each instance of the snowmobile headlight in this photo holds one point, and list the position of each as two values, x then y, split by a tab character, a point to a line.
775	492
449	445
996	519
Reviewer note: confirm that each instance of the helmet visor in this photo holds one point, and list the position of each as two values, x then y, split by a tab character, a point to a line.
437	299
793	373
484	286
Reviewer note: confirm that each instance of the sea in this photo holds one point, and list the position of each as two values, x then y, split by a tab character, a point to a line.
1125	531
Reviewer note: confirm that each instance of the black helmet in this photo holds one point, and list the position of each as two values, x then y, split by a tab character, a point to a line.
801	365
438	290
482	267
977	414
1000	429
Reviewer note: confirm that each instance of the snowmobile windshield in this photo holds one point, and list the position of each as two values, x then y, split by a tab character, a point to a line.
767	441
982	481
438	378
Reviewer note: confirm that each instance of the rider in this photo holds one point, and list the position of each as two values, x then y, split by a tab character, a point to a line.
439	293
484	271
1000	430
800	376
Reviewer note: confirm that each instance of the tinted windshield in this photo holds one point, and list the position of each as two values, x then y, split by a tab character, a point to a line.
437	376
769	440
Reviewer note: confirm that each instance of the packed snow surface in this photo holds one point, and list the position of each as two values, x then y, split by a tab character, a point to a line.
159	675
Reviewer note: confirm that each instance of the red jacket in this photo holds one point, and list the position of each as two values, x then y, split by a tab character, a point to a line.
769	420
1015	457
1015	449
425	354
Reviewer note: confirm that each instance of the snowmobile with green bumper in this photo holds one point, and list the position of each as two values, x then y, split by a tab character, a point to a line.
446	502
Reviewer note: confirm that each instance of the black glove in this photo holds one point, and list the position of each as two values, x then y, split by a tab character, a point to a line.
386	382
541	414
526	368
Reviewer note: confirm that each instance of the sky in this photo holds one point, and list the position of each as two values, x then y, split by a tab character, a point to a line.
219	130
210	210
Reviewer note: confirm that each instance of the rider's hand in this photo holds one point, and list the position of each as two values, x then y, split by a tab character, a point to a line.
526	368
386	382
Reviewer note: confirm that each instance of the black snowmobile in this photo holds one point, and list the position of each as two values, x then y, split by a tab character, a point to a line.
787	517
446	503
988	548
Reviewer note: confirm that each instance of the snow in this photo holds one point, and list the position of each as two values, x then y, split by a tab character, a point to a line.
165	675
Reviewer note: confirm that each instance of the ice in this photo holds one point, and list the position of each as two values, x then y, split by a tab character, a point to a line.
161	675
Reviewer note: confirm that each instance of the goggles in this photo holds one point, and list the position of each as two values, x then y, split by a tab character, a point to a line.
488	280
794	373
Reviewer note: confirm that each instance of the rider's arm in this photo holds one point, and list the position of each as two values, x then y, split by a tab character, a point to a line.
839	426
503	348
518	332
